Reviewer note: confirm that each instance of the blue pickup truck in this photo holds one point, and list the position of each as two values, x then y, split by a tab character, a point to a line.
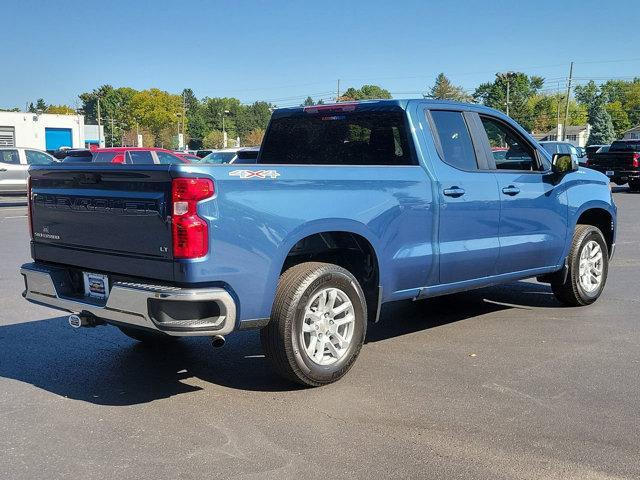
348	206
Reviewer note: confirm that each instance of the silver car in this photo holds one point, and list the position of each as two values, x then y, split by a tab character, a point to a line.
14	163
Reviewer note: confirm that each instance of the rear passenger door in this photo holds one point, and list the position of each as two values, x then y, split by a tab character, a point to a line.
469	216
533	214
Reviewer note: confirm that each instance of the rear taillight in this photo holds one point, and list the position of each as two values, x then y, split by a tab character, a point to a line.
190	232
636	160
29	207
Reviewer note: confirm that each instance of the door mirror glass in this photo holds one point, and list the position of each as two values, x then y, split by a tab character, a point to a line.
564	163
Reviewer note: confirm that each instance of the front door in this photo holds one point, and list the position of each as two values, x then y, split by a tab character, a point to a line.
469	202
13	175
533	214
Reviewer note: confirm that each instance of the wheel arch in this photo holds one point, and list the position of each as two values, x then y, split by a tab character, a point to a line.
346	243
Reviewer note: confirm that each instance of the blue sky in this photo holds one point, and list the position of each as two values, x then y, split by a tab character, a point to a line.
282	51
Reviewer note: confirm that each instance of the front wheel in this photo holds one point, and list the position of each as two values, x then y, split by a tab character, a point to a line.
318	324
588	264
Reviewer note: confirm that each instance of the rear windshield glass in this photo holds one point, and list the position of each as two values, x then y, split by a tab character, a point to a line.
339	138
625	147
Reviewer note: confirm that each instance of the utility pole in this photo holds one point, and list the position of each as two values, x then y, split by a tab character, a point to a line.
112	131
566	110
557	110
338	92
507	76
99	125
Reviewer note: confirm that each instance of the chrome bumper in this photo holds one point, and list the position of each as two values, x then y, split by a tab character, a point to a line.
130	303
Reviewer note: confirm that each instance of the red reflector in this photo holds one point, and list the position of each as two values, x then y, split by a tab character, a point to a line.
636	159
190	237
190	232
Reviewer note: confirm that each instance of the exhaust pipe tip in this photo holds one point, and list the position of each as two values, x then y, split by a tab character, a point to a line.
75	321
217	341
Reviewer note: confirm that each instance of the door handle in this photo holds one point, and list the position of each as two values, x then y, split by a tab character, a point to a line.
511	190
3	169
454	192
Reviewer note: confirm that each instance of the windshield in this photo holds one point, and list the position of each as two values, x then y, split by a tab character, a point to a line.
219	157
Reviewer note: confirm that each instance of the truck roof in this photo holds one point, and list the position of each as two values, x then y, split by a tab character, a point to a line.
378	104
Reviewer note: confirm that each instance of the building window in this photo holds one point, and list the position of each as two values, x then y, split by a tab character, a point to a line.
572	138
553	138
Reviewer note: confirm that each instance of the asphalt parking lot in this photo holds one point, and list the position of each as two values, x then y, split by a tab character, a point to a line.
498	383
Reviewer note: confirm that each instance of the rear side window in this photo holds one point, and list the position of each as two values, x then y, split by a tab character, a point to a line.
103	157
139	158
9	156
625	146
455	140
339	138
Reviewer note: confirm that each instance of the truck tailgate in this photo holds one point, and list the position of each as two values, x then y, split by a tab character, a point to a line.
97	209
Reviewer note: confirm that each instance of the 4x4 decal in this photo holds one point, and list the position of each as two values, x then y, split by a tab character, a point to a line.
255	174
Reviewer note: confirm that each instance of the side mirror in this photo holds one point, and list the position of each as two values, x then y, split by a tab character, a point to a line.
563	163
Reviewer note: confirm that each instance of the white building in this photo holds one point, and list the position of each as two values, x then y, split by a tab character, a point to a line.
632	133
47	131
576	134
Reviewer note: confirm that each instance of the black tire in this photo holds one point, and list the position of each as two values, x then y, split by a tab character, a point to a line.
147	337
282	338
571	292
634	185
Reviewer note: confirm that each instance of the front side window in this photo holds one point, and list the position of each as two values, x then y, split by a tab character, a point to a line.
37	158
339	137
9	156
515	153
455	140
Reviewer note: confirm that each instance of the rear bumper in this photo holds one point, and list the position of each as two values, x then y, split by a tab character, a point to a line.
172	310
618	175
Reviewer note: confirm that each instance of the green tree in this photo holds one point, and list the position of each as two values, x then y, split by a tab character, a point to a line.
545	109
39	107
619	118
61	110
115	110
196	125
521	89
255	137
587	95
443	89
366	92
213	139
157	111
602	131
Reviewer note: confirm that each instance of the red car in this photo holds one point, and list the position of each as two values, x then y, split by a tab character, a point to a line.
136	156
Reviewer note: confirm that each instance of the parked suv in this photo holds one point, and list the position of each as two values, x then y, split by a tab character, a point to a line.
348	206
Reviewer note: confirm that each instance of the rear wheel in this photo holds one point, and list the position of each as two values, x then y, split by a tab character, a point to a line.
588	264
147	337
318	324
634	185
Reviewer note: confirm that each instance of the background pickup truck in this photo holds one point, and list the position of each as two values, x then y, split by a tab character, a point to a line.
349	206
621	163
